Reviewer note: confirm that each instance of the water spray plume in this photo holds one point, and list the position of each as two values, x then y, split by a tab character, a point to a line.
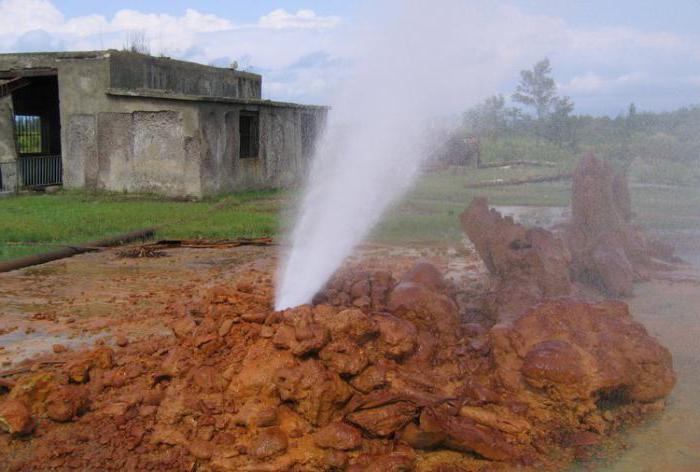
418	63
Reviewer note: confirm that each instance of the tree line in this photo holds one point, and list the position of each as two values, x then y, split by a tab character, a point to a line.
540	118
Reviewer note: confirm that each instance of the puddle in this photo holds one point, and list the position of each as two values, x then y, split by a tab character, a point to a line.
20	345
691	257
544	217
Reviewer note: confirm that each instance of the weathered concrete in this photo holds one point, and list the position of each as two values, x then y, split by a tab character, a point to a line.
8	150
139	72
138	123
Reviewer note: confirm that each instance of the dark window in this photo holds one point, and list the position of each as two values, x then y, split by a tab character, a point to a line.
29	133
248	124
308	134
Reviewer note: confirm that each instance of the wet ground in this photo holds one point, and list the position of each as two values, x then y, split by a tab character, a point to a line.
671	442
76	301
73	302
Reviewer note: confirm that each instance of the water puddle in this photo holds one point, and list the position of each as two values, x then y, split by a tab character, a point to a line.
20	345
543	217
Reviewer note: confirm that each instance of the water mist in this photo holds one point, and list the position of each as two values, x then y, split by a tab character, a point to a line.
417	61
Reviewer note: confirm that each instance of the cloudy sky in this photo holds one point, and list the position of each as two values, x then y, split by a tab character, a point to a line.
604	54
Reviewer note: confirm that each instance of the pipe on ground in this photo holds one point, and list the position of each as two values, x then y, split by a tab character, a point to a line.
69	251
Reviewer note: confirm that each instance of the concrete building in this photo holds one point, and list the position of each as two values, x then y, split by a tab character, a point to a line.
124	121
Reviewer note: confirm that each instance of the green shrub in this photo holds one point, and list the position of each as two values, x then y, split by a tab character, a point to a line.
523	149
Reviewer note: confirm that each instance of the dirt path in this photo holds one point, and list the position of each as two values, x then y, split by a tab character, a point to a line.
75	301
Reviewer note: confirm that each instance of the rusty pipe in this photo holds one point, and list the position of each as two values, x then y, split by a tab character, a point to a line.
69	251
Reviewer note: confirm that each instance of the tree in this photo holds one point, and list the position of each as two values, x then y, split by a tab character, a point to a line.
559	125
537	88
488	118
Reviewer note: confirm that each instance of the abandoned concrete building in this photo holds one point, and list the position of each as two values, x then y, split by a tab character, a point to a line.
123	121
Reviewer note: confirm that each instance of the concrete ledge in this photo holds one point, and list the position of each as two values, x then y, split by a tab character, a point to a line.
163	95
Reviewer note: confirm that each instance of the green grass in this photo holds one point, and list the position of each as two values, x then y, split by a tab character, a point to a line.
426	215
78	217
429	213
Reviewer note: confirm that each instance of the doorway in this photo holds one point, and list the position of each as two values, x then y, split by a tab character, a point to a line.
38	131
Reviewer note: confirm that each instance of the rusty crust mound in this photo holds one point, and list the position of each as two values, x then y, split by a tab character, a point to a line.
608	251
599	247
403	386
526	264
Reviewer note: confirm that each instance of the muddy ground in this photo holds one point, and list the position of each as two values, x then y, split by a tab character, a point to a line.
103	298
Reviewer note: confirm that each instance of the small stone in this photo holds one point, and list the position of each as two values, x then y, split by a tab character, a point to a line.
225	327
254	317
65	403
183	327
339	436
115	409
15	418
121	340
59	348
103	358
200	449
269	442
79	371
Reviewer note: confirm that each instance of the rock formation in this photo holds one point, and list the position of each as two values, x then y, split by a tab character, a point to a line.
527	263
346	386
599	247
608	251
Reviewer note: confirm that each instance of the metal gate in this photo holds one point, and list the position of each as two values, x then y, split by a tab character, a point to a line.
37	168
40	171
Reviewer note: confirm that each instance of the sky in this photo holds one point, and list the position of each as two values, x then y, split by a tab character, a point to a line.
604	54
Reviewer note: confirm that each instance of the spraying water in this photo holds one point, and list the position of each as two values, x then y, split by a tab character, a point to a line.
418	63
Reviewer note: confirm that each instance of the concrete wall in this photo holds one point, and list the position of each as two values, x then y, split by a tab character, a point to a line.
124	144
172	129
27	63
280	161
8	150
132	71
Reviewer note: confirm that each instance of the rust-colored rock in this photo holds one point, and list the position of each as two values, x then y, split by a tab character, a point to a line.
371	378
397	336
300	333
316	391
576	350
339	436
463	434
268	442
67	402
15	418
517	255
59	348
400	384
343	357
383	420
608	251
394	462
430	309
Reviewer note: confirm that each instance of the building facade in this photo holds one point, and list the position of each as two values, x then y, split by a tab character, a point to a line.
123	121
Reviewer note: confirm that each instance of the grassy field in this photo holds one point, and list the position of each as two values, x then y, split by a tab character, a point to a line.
428	214
36	222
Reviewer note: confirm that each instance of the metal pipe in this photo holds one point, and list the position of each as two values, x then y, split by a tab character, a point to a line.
69	251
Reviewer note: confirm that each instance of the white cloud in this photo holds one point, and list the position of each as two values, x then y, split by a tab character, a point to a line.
305	19
192	22
592	83
20	16
586	61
